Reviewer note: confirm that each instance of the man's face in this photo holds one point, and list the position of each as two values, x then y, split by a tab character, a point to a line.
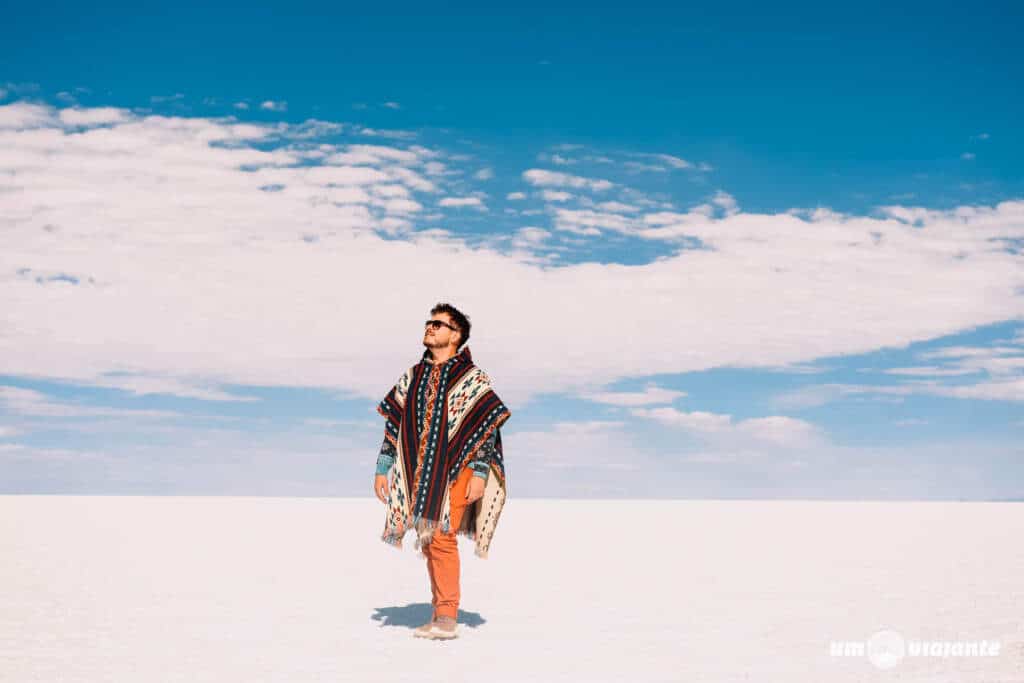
442	336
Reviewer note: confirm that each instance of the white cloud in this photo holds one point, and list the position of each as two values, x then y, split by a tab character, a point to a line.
587	222
1008	389
143	385
926	371
310	128
777	430
484	174
1001	370
1004	383
533	246
726	201
374	155
411	178
638	167
24	115
20	401
819	394
160	99
349	422
396	207
271	105
674	162
532	236
515	196
463	201
651	394
618	207
781	431
95	116
555	196
328	176
542	178
661	162
388	133
226	282
390	190
551	461
435	168
697	420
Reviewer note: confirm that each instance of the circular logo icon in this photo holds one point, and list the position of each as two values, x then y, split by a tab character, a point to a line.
886	649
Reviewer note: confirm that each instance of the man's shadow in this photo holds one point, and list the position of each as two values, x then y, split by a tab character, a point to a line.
418	613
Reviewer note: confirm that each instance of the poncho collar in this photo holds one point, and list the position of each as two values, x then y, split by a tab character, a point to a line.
463	356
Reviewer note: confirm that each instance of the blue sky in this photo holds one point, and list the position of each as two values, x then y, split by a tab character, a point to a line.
709	252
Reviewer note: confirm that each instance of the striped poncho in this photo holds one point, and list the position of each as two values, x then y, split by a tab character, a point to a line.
438	416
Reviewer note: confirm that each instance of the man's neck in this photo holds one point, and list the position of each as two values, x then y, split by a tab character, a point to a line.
441	355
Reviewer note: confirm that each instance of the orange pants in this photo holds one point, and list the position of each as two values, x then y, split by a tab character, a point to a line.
443	554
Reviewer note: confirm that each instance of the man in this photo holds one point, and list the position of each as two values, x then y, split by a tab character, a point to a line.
443	444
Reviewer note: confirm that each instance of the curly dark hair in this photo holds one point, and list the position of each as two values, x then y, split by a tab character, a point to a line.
460	319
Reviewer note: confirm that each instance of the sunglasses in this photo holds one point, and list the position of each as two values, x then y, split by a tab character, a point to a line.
437	324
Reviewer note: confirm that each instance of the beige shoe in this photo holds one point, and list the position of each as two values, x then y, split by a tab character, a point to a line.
444	628
424	630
